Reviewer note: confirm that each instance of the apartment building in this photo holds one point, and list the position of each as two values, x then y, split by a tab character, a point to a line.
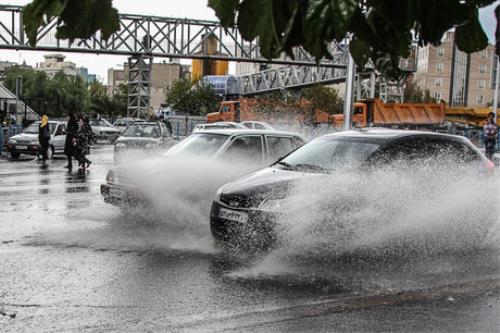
54	63
458	78
162	76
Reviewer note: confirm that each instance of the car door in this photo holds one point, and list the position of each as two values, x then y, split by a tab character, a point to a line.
279	146
59	137
245	149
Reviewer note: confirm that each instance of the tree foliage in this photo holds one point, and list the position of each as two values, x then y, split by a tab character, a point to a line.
414	94
60	94
103	104
192	97
54	96
77	18
381	30
324	98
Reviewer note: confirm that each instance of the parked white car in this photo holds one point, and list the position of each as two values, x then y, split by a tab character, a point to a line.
27	142
104	130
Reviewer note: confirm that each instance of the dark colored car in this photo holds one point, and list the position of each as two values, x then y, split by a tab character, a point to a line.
244	212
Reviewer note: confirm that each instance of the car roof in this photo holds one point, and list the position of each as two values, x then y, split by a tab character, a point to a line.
50	122
143	122
389	134
240	131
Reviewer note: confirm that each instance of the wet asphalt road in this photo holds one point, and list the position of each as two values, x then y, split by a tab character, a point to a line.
69	262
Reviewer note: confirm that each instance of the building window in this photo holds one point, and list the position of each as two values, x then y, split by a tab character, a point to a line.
437	96
482	69
484	54
438	82
439	67
481	84
480	99
440	51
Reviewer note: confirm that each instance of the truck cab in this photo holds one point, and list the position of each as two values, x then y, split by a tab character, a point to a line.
229	111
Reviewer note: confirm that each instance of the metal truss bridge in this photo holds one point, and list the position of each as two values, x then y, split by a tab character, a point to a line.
143	37
151	36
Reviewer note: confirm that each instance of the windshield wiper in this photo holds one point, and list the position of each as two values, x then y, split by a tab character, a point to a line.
310	167
287	166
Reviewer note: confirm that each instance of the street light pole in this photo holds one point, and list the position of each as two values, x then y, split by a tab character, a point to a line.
495	94
349	92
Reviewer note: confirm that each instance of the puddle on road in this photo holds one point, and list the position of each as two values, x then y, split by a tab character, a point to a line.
413	231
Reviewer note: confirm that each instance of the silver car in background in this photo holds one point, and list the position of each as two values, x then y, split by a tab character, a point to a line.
142	138
103	130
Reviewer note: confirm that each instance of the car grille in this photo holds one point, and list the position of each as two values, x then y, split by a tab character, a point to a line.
240	201
25	141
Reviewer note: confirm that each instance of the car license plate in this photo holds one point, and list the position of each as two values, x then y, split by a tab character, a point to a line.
233	215
22	147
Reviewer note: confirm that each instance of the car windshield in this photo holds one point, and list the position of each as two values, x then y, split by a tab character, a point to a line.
329	154
204	144
98	122
143	130
33	128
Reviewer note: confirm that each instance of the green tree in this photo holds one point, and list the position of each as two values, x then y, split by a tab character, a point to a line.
324	98
102	103
66	93
55	95
192	97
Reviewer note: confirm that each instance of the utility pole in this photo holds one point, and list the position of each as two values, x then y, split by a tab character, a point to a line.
495	94
349	92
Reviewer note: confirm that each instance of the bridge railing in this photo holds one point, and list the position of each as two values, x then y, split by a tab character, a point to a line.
151	35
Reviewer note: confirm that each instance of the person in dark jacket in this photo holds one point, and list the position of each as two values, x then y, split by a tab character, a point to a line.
490	135
44	137
83	139
69	143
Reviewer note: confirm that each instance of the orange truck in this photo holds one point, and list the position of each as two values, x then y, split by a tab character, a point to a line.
265	110
374	112
475	117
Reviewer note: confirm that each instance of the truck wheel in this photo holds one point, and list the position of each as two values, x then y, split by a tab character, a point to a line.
15	156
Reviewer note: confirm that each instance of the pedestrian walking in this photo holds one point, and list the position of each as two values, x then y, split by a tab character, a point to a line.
167	123
69	143
1	134
44	138
490	135
84	137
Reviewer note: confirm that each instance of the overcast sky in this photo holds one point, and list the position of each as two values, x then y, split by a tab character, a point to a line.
196	9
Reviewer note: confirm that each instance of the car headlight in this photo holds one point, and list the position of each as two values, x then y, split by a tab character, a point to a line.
120	145
110	177
13	141
273	205
218	194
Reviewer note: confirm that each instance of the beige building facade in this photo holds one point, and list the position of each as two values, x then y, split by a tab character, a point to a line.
455	77
163	76
54	63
